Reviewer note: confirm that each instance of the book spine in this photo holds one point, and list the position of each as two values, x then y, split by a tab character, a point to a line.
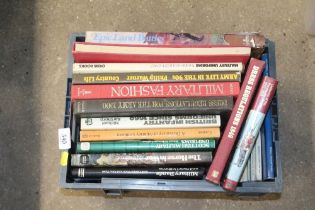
152	134
249	170
244	177
101	68
250	132
153	106
99	57
254	40
146	146
159	90
270	173
153	173
258	159
181	121
263	153
141	159
155	77
252	160
235	121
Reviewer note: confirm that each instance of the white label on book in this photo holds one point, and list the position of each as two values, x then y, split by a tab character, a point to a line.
85	146
64	138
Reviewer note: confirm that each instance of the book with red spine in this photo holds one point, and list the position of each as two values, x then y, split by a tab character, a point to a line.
154	90
84	52
250	132
236	119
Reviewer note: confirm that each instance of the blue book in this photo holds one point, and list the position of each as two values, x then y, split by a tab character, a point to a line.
263	153
269	172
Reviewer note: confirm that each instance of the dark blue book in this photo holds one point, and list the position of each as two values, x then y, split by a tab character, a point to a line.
268	163
263	153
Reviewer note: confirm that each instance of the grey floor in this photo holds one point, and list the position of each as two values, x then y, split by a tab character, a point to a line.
34	43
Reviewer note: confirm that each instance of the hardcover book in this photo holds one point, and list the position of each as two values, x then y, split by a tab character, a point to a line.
236	119
250	131
258	159
153	106
268	134
156	77
153	173
178	121
84	52
250	39
245	175
157	90
146	146
89	68
150	134
141	159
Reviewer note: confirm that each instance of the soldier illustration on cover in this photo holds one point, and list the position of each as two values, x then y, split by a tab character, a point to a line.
110	160
124	160
245	146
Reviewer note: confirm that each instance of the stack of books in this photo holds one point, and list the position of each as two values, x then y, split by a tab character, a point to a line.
169	106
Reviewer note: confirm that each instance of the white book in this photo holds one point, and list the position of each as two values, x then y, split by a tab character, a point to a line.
244	177
258	158
189	121
88	68
252	160
255	159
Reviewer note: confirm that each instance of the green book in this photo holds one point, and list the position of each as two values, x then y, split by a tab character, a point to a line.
147	146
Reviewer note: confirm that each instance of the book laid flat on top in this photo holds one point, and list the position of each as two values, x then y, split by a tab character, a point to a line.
84	52
254	40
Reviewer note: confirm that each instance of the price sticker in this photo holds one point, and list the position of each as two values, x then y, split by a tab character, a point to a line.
64	138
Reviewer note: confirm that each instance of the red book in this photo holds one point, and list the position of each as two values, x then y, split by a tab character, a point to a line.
157	90
250	132
235	122
84	52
